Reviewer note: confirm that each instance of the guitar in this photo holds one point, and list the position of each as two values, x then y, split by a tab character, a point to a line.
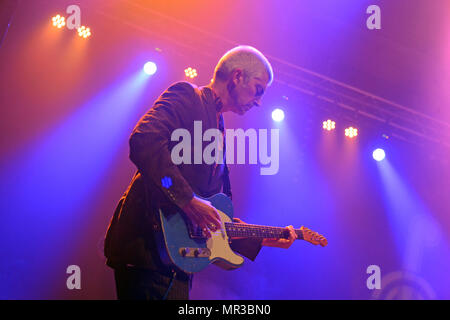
187	249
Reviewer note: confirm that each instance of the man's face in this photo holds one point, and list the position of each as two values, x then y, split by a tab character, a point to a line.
246	93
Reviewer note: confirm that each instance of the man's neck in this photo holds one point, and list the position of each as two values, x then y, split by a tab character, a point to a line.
221	91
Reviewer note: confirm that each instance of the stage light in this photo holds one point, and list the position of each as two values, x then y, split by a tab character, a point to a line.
278	115
351	132
150	68
84	32
59	21
329	125
379	154
190	72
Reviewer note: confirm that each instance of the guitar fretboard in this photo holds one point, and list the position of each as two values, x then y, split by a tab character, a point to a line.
257	231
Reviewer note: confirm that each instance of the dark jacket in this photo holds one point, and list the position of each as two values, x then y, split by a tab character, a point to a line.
159	183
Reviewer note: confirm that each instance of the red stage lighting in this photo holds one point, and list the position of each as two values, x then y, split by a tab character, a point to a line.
329	125
190	72
59	21
351	132
84	32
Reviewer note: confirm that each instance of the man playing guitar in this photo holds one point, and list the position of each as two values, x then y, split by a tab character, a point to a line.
240	80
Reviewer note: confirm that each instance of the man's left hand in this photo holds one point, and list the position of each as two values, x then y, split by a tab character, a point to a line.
277	243
281	243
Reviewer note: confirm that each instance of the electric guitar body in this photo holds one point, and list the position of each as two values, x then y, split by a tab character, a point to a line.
188	250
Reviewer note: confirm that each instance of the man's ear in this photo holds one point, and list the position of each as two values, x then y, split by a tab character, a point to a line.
237	76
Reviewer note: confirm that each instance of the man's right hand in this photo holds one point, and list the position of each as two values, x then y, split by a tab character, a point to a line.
203	214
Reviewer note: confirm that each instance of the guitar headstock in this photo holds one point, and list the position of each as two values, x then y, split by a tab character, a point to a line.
313	237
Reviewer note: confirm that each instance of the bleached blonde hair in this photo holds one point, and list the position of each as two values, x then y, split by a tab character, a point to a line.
251	61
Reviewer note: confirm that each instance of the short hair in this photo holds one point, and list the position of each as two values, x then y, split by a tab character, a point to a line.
247	58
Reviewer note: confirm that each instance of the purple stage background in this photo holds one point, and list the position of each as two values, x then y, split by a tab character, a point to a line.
69	104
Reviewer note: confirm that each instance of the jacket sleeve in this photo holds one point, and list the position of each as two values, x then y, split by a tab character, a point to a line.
150	139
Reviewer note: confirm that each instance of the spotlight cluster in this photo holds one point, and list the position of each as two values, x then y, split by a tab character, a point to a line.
351	132
190	72
58	21
84	32
329	125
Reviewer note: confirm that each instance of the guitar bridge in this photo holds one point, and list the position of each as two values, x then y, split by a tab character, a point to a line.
194	252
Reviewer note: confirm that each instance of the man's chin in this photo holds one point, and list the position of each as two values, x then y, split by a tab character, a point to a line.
240	111
243	110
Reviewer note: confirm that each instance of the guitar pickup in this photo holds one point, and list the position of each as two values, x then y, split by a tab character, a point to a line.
194	252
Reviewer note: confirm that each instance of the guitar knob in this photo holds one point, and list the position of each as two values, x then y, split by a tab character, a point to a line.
183	252
196	252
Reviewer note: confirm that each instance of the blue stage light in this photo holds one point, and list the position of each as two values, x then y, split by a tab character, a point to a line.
379	154
278	115
150	68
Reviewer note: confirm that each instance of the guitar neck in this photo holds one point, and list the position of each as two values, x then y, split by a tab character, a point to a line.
257	231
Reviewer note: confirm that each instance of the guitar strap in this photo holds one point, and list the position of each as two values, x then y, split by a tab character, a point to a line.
226	173
226	182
